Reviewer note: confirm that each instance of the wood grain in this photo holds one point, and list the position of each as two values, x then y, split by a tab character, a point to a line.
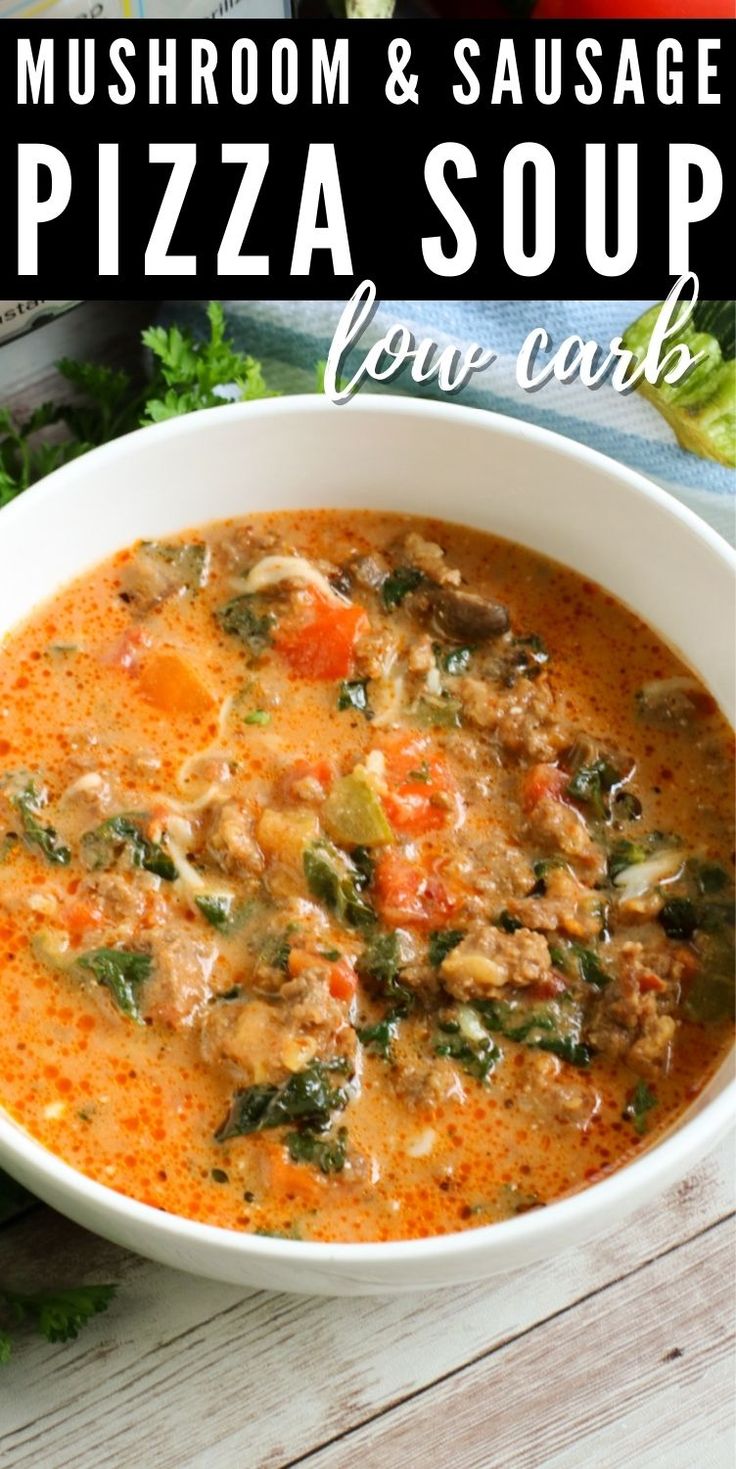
639	1374
188	1373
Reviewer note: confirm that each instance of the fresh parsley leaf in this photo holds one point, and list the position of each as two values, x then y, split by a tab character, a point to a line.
29	803
57	1315
122	972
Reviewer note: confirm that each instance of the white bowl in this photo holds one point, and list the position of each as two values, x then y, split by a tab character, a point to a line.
384	453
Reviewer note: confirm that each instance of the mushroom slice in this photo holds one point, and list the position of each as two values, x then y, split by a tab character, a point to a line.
467	617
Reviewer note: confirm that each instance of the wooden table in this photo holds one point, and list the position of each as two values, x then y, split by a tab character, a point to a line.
617	1354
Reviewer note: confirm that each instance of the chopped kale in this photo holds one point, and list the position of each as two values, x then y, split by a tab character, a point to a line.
455	660
190	562
380	963
399	584
102	846
477	1057
709	877
217	908
640	1102
679	918
245	618
326	1153
122	972
29	803
364	866
625	854
590	967
507	922
335	881
275	952
308	1097
711	996
353	694
379	1038
441	943
541	872
592	786
554	1026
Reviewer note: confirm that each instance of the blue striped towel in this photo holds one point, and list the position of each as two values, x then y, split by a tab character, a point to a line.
290	337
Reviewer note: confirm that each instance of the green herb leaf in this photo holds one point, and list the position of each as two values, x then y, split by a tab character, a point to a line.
307	1097
329	1154
29	803
122	972
553	1027
639	1104
456	660
592	785
477	1058
245	618
353	694
102	846
379	1038
57	1315
335	881
441	943
590	966
399	584
217	908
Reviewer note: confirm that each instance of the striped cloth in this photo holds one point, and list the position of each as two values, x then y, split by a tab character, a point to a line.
290	337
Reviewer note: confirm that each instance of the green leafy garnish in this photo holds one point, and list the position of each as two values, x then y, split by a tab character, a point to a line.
379	1038
217	908
507	922
328	1154
29	803
639	1104
399	584
245	618
335	881
190	561
679	918
455	660
59	1315
102	846
187	374
592	785
380	964
122	972
441	943
308	1097
701	406
554	1026
477	1057
353	694
590	966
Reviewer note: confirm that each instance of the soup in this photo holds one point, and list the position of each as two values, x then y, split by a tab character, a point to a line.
361	877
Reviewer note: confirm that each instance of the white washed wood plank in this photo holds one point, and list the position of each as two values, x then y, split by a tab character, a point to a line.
599	1385
191	1375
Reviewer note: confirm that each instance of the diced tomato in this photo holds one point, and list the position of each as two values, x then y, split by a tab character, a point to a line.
340	973
541	781
323	647
79	918
422	792
304	773
650	983
342	980
552	984
406	895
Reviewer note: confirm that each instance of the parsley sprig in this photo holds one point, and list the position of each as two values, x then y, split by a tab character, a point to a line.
187	374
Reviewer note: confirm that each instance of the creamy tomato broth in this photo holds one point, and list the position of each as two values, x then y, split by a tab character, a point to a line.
362	877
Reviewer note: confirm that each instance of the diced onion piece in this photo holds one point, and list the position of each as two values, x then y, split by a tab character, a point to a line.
433	681
422	1145
274	569
470	1024
633	881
